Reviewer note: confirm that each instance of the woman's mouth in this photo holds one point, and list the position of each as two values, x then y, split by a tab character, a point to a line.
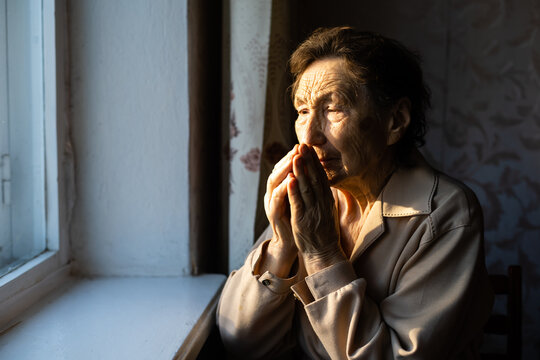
327	161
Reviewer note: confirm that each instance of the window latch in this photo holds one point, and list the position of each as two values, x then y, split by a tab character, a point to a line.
5	173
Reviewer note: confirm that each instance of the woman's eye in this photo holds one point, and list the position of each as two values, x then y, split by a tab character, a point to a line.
334	113
303	111
333	108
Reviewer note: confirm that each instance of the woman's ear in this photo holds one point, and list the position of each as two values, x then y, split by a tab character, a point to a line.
399	121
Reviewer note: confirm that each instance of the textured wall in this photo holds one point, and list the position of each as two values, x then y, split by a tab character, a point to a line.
130	129
491	134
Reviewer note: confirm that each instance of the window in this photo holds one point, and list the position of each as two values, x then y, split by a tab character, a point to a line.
22	213
31	134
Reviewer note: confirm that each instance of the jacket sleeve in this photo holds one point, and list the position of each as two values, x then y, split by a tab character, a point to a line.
437	305
255	312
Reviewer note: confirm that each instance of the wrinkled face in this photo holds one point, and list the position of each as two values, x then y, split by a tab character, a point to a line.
346	135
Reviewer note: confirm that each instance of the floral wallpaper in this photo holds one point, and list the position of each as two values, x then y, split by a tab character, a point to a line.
482	62
491	134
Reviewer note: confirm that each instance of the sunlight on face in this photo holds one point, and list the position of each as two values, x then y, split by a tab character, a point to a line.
346	135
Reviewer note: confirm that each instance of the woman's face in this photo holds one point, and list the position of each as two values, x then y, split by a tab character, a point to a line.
347	137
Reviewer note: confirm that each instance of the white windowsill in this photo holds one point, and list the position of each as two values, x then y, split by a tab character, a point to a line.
117	318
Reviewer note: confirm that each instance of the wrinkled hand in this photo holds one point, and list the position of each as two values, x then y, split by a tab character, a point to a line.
276	206
314	221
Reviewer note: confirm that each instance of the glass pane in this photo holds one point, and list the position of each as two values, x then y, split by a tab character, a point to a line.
22	215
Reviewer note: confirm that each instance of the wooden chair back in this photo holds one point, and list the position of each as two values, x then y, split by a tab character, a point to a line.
508	324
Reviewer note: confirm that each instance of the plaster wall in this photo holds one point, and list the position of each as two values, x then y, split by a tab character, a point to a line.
129	123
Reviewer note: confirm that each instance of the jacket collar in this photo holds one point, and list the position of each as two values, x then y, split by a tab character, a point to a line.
409	192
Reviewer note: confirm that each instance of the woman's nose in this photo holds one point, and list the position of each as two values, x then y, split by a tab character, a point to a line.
313	133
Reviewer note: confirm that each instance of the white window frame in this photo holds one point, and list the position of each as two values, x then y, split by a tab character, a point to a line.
28	283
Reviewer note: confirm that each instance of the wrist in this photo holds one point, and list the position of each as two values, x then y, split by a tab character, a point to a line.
278	258
320	260
281	248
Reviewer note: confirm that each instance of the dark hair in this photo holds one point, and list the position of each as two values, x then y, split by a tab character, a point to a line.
384	66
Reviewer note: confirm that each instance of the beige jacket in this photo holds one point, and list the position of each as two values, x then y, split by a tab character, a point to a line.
415	286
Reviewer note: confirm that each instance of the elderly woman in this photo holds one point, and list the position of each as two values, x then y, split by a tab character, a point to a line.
370	253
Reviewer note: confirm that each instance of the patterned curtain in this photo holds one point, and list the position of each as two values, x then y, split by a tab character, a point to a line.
249	32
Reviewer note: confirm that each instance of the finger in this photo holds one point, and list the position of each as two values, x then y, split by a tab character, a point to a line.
314	171
275	181
287	158
295	198
278	199
280	171
317	164
267	203
304	186
274	194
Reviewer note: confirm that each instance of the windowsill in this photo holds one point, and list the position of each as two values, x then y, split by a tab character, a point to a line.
117	318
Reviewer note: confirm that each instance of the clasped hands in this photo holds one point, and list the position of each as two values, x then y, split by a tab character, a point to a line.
300	208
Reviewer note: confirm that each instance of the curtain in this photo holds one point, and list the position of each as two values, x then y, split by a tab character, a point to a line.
249	29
